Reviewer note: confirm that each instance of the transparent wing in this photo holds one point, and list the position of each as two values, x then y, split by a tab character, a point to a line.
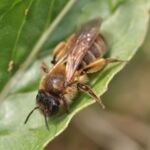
82	41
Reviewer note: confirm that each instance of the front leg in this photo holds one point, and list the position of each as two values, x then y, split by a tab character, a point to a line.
43	67
88	90
65	104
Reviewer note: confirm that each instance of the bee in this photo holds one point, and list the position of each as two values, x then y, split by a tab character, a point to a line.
82	53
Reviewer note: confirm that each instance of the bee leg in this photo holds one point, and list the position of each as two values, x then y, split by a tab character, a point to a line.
53	61
66	106
61	50
100	64
87	89
43	67
114	60
57	52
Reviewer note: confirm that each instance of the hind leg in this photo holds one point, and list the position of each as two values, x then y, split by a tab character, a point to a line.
100	64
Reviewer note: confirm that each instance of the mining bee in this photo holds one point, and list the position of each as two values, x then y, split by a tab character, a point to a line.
73	59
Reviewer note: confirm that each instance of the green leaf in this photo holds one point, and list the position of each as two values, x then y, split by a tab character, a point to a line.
124	28
21	24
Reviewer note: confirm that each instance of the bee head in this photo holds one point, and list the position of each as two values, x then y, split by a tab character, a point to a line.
48	105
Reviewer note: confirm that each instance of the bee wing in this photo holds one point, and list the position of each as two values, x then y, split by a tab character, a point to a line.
83	40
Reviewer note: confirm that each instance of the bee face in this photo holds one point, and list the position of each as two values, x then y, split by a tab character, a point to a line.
47	104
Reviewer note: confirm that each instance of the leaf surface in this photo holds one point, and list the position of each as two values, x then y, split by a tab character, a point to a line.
124	28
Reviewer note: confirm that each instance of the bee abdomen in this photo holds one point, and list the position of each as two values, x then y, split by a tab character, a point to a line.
97	50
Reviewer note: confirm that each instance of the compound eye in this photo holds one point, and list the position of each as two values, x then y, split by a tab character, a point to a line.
40	96
37	97
55	107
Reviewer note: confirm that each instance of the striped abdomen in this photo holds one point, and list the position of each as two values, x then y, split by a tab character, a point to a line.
97	50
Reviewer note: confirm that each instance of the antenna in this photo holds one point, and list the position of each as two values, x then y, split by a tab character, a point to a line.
30	114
